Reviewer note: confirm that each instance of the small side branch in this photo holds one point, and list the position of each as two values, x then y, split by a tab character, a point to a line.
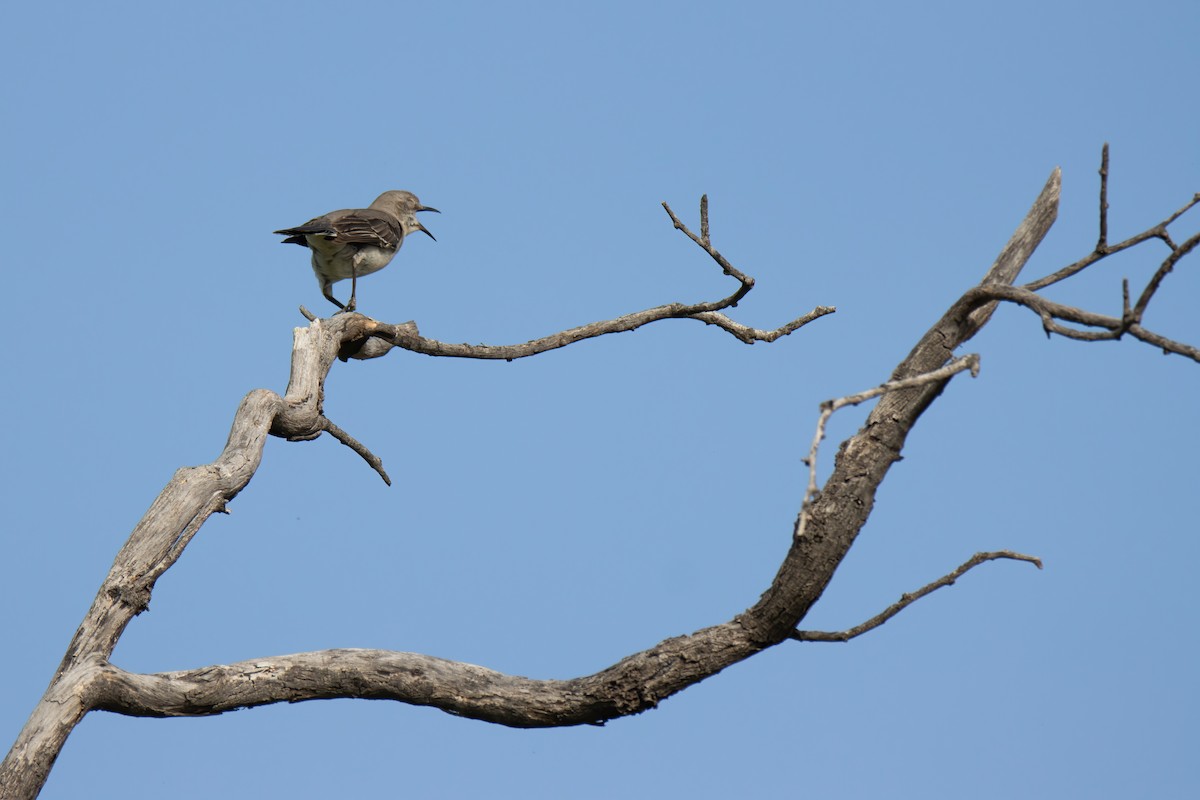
828	408
908	599
747	283
1102	242
1104	327
1103	249
751	335
375	461
1164	269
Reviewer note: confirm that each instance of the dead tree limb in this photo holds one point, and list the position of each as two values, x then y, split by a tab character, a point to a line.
832	518
908	598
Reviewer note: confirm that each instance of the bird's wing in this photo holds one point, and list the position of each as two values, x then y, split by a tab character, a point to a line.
356	226
319	226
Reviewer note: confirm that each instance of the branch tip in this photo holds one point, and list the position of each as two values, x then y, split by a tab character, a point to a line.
373	460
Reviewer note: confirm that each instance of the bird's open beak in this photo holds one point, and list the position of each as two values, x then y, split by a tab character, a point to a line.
421	227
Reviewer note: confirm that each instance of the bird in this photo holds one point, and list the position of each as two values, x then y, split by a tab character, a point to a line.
352	242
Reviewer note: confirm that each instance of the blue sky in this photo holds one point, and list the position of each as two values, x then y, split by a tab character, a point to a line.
553	515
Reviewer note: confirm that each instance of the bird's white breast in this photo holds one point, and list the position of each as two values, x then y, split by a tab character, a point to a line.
334	260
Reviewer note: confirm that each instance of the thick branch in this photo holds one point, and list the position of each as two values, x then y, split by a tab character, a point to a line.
158	541
833	518
195	493
633	685
1016	253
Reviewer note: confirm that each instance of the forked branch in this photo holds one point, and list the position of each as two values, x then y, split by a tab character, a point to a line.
1107	327
410	339
830	520
828	408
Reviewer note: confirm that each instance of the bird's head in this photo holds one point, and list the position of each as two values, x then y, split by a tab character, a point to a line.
404	207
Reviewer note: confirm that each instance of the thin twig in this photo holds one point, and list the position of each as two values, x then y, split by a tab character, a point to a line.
1102	244
912	597
1126	310
828	408
746	281
1163	270
357	446
751	335
1103	248
1168	346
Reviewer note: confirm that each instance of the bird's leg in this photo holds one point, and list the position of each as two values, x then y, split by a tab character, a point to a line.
353	288
327	290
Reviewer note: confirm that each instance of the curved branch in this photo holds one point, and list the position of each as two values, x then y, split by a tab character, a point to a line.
834	518
747	283
1168	264
374	461
85	680
1108	328
406	336
751	335
634	684
195	493
909	598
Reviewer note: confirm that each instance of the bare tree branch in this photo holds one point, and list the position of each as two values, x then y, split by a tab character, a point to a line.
408	340
408	337
1168	264
1015	254
1109	328
911	597
1102	242
634	684
747	283
830	520
373	460
1102	249
751	335
828	408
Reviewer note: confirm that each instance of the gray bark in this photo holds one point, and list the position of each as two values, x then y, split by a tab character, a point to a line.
86	680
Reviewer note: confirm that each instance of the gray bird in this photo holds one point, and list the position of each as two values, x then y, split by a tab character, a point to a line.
357	241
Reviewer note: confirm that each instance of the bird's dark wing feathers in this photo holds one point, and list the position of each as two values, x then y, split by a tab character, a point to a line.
314	227
365	226
369	227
